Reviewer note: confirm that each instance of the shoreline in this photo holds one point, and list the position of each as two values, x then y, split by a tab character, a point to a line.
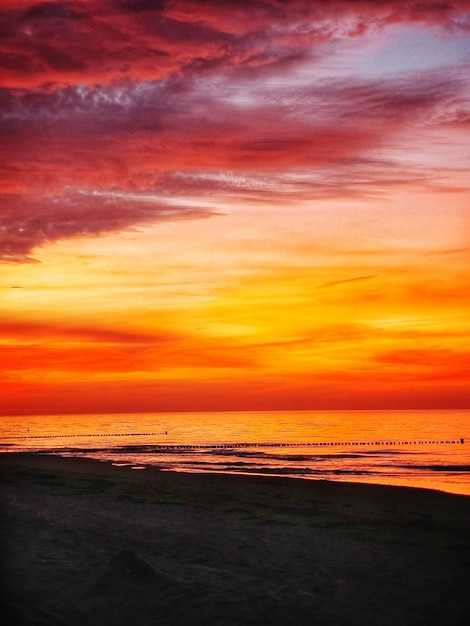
89	543
82	463
404	482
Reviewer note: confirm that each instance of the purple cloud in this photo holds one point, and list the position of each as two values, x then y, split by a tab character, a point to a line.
26	224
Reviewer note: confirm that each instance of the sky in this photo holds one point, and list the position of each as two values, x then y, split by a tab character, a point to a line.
234	205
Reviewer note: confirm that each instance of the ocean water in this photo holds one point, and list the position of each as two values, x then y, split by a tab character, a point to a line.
429	449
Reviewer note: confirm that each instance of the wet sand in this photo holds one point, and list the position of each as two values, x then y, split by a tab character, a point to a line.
88	544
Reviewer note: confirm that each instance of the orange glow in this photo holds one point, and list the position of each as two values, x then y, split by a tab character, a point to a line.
240	211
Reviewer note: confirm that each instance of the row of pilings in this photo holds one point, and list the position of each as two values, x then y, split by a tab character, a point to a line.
225	446
207	446
86	435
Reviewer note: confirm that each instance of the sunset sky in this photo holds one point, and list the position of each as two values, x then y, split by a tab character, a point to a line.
223	205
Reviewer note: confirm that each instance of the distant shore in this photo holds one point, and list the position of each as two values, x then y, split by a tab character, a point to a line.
87	543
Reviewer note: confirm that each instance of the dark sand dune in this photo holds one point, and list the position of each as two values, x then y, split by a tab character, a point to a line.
89	544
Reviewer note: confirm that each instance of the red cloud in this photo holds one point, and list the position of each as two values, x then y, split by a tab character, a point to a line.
33	330
428	364
93	349
104	41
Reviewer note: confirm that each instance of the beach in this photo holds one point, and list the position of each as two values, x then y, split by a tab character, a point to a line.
87	543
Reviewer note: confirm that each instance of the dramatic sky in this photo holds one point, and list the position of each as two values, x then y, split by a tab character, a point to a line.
234	204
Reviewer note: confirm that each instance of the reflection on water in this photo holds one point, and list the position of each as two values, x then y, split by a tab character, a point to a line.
416	448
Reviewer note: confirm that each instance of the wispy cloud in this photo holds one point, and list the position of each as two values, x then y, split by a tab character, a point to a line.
27	223
35	331
355	279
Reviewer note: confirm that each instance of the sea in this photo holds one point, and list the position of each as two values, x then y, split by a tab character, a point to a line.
427	449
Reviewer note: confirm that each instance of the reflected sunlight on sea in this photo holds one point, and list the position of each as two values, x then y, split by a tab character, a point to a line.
415	448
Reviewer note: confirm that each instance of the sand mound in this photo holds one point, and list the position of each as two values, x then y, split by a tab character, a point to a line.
127	573
129	590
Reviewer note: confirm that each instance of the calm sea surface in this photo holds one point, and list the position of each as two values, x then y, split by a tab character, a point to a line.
428	449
